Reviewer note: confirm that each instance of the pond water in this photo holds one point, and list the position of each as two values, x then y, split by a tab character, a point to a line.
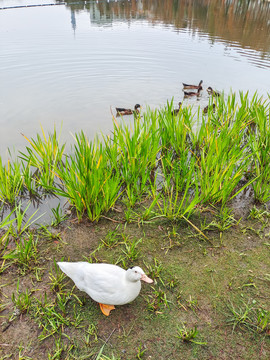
65	65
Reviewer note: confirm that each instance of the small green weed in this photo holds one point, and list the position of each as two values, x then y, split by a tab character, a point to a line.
154	270
259	214
56	277
112	239
51	317
23	221
59	349
22	301
50	234
91	334
241	316
25	255
131	252
263	321
188	334
157	301
140	352
58	216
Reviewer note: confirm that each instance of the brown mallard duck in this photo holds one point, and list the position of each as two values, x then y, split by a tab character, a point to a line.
188	86
176	111
210	107
191	93
212	92
123	111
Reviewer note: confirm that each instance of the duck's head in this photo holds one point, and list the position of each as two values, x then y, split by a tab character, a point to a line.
136	274
137	107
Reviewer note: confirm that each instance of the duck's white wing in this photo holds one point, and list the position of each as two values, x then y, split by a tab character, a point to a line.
104	283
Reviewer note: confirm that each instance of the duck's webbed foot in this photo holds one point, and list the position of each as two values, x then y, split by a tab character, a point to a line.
106	308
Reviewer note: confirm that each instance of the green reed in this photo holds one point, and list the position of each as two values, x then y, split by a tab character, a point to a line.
43	156
11	181
175	204
133	153
259	143
88	180
176	159
222	154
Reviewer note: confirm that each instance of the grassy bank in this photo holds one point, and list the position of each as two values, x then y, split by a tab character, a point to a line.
185	197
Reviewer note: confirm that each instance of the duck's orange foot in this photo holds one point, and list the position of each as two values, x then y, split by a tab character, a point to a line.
106	308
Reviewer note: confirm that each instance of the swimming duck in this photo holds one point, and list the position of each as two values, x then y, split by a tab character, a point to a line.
190	93
176	111
107	284
187	86
123	111
211	107
212	92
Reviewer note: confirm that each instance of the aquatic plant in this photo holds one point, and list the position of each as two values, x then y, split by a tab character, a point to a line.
43	155
259	143
11	181
133	152
222	155
176	163
88	180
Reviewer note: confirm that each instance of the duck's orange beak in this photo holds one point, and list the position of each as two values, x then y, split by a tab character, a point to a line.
146	279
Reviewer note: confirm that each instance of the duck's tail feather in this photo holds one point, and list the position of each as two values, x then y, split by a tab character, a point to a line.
70	269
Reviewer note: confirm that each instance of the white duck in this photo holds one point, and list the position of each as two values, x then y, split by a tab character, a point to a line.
107	284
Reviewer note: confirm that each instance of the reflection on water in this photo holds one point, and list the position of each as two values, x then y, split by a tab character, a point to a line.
68	64
245	22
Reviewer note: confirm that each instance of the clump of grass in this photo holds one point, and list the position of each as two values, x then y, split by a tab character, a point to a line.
259	214
59	349
56	277
52	317
6	230
112	239
23	220
223	221
188	335
25	254
247	316
50	234
154	270
58	216
22	301
91	333
140	352
131	250
157	301
263	321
